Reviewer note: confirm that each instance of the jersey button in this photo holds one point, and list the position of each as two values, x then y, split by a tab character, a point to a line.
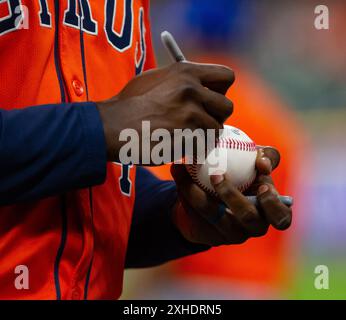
76	294
78	87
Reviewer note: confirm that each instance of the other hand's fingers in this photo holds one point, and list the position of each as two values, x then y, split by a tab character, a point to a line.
215	77
216	104
191	192
245	212
276	213
268	158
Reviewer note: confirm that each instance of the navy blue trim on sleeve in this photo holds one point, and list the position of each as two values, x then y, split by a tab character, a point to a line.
154	239
48	150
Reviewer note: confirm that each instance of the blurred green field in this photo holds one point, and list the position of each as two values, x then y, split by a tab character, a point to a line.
303	287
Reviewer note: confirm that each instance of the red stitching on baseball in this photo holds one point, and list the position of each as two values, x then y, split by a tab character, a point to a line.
228	143
231	143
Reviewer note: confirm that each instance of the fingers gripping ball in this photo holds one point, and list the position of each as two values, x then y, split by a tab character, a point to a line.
235	153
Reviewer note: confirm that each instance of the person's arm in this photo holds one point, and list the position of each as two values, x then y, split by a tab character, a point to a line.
47	150
154	239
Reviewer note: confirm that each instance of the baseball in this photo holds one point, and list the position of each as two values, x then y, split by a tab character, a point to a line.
235	153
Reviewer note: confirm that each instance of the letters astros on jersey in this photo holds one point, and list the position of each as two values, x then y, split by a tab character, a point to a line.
15	16
57	51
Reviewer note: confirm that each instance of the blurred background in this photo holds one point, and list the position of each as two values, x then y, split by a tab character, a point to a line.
290	92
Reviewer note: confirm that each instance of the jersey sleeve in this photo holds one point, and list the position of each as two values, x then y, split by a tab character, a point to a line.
48	150
154	239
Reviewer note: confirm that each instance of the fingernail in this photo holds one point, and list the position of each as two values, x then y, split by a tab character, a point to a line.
262	189
267	162
216	179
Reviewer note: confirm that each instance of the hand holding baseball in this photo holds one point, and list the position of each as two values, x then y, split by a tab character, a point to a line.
201	218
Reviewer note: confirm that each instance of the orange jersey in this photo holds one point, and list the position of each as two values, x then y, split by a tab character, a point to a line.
73	245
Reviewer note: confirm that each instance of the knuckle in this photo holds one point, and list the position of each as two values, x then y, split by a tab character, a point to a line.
268	198
225	191
188	90
249	216
264	179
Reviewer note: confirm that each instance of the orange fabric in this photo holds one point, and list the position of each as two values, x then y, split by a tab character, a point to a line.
268	121
98	220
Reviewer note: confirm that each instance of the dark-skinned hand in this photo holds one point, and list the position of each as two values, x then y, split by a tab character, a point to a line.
174	97
197	214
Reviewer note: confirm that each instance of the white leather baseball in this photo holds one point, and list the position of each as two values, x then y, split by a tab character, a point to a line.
235	153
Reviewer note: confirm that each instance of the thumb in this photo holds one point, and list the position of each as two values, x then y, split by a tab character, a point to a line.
223	185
